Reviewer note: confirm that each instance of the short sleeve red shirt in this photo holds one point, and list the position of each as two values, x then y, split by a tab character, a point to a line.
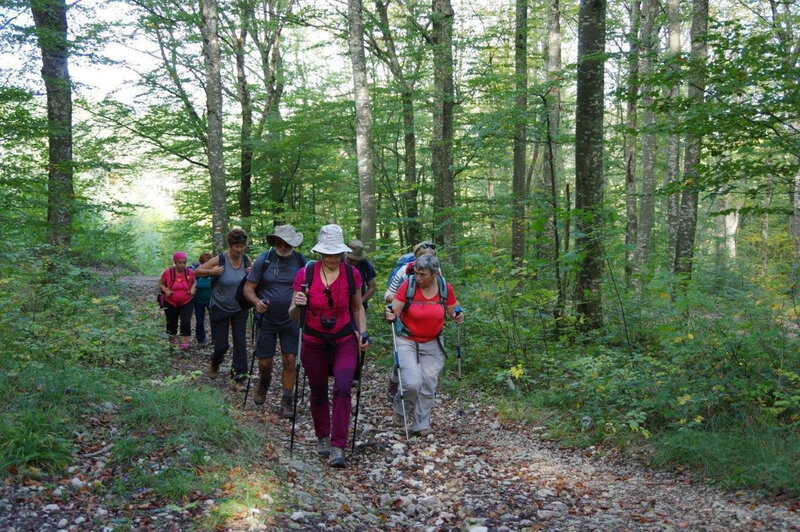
424	317
319	306
180	286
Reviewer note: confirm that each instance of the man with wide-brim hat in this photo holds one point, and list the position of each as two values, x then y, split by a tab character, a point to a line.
269	288
358	259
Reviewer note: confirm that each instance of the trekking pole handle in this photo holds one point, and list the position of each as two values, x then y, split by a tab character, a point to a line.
457	310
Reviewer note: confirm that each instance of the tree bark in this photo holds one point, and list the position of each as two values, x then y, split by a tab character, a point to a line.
687	224
647	47
518	231
673	143
246	105
413	228
765	225
50	18
366	184
216	166
629	148
442	138
589	160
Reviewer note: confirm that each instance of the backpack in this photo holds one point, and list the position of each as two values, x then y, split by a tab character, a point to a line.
240	299
161	298
402	261
411	290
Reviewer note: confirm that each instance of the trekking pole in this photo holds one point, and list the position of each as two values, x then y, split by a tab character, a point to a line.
253	359
458	352
361	356
399	378
249	378
297	372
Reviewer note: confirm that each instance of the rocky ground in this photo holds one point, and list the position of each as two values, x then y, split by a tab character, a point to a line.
474	473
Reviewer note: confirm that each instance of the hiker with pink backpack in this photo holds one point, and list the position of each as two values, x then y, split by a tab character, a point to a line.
177	286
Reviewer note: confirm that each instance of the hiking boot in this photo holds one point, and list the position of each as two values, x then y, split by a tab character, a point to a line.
287	407
323	447
397	419
337	458
391	388
213	370
260	396
238	386
424	433
184	347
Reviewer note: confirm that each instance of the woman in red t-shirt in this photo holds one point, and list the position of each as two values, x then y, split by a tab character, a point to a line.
419	348
178	285
334	330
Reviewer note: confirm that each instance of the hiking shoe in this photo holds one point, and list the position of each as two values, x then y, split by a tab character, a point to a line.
238	386
261	392
391	388
323	447
397	419
337	458
287	407
184	347
424	433
213	370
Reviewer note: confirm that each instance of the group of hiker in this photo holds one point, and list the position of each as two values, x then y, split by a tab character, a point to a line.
316	309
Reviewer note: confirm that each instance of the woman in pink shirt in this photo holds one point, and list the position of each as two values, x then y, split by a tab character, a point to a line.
178	285
334	330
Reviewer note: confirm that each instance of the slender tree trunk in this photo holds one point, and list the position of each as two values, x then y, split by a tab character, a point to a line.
765	225
246	105
518	232
647	41
50	18
674	142
390	57
589	160
216	166
796	226
629	149
684	252
442	138
366	184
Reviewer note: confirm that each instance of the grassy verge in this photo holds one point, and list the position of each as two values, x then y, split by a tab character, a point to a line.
88	370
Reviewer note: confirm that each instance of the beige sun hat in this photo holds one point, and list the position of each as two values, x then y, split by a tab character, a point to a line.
330	241
286	233
358	250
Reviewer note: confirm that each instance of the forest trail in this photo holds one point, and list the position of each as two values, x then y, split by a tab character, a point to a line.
474	473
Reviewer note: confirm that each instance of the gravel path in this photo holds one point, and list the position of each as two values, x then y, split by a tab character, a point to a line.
474	473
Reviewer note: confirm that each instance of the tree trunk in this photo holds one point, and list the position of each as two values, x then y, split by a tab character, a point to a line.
674	143
647	47
520	132
216	166
687	224
50	18
246	105
629	149
442	135
765	225
366	184
589	160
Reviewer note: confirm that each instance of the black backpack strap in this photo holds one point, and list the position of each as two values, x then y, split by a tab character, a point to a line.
351	281
309	274
301	260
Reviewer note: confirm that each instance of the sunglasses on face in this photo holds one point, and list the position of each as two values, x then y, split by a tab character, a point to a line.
427	246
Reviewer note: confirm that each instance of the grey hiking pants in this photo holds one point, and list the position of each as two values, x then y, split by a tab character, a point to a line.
420	379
